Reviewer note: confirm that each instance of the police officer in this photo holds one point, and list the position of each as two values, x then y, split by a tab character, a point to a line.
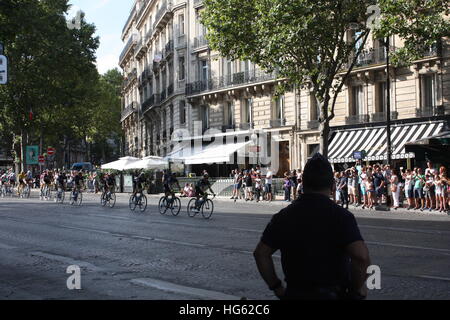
323	254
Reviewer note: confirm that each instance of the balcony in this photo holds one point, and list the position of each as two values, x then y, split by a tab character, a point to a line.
430	112
181	42
277	123
130	17
382	116
313	125
200	42
128	111
168	50
131	43
148	104
140	49
246	126
144	4
226	127
163	15
129	79
357	119
169	90
163	95
229	81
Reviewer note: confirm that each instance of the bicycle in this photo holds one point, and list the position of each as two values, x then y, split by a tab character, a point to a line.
60	195
27	191
45	193
109	198
174	204
138	200
7	191
76	197
205	205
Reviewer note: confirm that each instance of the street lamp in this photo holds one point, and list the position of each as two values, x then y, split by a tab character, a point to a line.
388	103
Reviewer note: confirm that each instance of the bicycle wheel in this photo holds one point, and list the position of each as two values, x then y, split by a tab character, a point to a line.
162	205
191	209
132	202
103	200
143	203
61	197
207	209
79	199
112	200
72	198
175	207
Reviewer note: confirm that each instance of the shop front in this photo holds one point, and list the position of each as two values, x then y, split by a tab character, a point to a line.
372	144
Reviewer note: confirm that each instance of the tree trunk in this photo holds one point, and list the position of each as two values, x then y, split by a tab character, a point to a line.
324	127
324	137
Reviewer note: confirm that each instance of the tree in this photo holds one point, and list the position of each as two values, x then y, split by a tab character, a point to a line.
52	73
307	40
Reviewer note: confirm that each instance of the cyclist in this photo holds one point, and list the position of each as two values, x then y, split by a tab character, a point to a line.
139	183
22	177
61	181
109	183
4	182
78	180
169	183
11	179
200	188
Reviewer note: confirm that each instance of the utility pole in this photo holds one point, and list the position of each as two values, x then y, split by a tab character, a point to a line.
388	104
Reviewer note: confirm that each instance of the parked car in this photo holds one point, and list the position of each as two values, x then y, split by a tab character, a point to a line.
85	166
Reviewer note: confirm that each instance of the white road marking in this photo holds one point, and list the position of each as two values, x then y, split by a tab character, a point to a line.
434	278
175	288
66	260
6	247
406	246
109	217
437	232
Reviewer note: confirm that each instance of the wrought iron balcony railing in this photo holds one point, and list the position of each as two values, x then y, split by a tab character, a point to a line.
382	116
430	112
246	126
276	123
200	41
228	81
130	43
357	119
313	124
128	111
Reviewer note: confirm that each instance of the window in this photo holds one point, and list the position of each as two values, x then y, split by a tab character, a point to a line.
229	114
314	111
181	69
382	97
357	105
182	112
278	112
428	92
181	24
204	116
171	117
204	71
247	111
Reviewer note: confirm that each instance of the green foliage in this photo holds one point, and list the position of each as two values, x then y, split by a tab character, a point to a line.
52	74
307	41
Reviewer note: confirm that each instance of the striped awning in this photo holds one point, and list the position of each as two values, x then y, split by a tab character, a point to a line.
374	142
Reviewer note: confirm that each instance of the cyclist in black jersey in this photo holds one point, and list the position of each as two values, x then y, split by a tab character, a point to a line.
169	182
139	183
200	187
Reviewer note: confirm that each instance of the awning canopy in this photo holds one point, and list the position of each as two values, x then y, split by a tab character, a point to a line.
214	153
148	163
119	164
373	142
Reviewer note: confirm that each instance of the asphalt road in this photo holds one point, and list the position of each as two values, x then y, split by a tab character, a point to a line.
126	255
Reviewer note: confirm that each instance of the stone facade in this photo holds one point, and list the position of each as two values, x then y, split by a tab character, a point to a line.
173	79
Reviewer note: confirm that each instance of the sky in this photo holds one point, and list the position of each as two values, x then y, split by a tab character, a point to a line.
109	16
